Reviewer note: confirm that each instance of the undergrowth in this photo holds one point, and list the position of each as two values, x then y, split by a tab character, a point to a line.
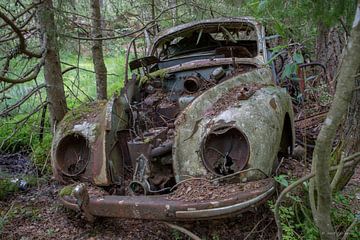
296	217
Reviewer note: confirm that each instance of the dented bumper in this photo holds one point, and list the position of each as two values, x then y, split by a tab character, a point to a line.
161	208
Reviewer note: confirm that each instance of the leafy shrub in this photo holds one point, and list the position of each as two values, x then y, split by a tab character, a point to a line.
296	217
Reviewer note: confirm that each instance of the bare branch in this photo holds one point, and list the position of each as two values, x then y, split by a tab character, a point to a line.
22	42
146	26
183	230
7	88
21	101
31	75
26	10
85	70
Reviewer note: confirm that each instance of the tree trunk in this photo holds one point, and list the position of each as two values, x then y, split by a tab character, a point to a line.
52	68
97	52
321	156
351	134
153	16
329	44
174	12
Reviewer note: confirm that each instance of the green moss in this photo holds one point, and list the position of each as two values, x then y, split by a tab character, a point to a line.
81	113
67	190
157	74
85	110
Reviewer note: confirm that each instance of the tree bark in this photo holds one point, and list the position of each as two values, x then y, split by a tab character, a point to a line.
329	44
97	52
153	16
351	134
52	68
321	156
174	12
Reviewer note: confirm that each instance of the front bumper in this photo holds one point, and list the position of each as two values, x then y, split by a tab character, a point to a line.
159	207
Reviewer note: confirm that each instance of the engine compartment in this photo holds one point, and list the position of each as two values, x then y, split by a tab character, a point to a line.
153	111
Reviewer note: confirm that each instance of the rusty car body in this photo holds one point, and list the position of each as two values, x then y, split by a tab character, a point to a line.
203	104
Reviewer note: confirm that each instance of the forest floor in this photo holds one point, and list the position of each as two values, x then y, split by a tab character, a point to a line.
36	214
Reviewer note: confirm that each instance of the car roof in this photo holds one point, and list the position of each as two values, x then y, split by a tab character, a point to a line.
169	33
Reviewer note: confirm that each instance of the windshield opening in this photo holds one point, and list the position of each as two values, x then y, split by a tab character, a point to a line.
240	39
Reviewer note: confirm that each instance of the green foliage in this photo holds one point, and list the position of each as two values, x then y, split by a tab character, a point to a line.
4	217
7	187
296	217
17	134
25	138
176	234
282	179
67	190
343	215
80	85
10	185
299	20
40	154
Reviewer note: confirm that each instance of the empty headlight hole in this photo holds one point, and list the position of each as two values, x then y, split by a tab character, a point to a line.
72	154
225	151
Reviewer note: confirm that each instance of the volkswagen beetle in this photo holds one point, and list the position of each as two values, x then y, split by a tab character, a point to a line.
195	133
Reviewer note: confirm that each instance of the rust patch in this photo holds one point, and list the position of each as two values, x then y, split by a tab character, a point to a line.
273	103
234	95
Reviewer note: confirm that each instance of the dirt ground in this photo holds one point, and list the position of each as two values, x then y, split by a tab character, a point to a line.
37	214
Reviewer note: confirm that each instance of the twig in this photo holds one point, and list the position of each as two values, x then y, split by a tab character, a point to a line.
278	167
347	232
22	13
344	26
37	109
68	70
83	69
146	26
186	180
254	228
183	230
22	43
28	77
22	100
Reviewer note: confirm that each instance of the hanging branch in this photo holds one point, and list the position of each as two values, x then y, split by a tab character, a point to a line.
22	42
30	75
26	10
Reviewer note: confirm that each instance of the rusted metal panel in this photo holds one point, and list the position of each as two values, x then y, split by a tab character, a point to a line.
90	140
254	116
161	208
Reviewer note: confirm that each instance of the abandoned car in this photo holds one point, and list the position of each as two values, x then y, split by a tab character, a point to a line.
195	133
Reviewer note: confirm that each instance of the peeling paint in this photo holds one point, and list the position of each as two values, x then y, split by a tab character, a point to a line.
86	129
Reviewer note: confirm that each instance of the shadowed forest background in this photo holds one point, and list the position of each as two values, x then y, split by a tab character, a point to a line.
58	54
